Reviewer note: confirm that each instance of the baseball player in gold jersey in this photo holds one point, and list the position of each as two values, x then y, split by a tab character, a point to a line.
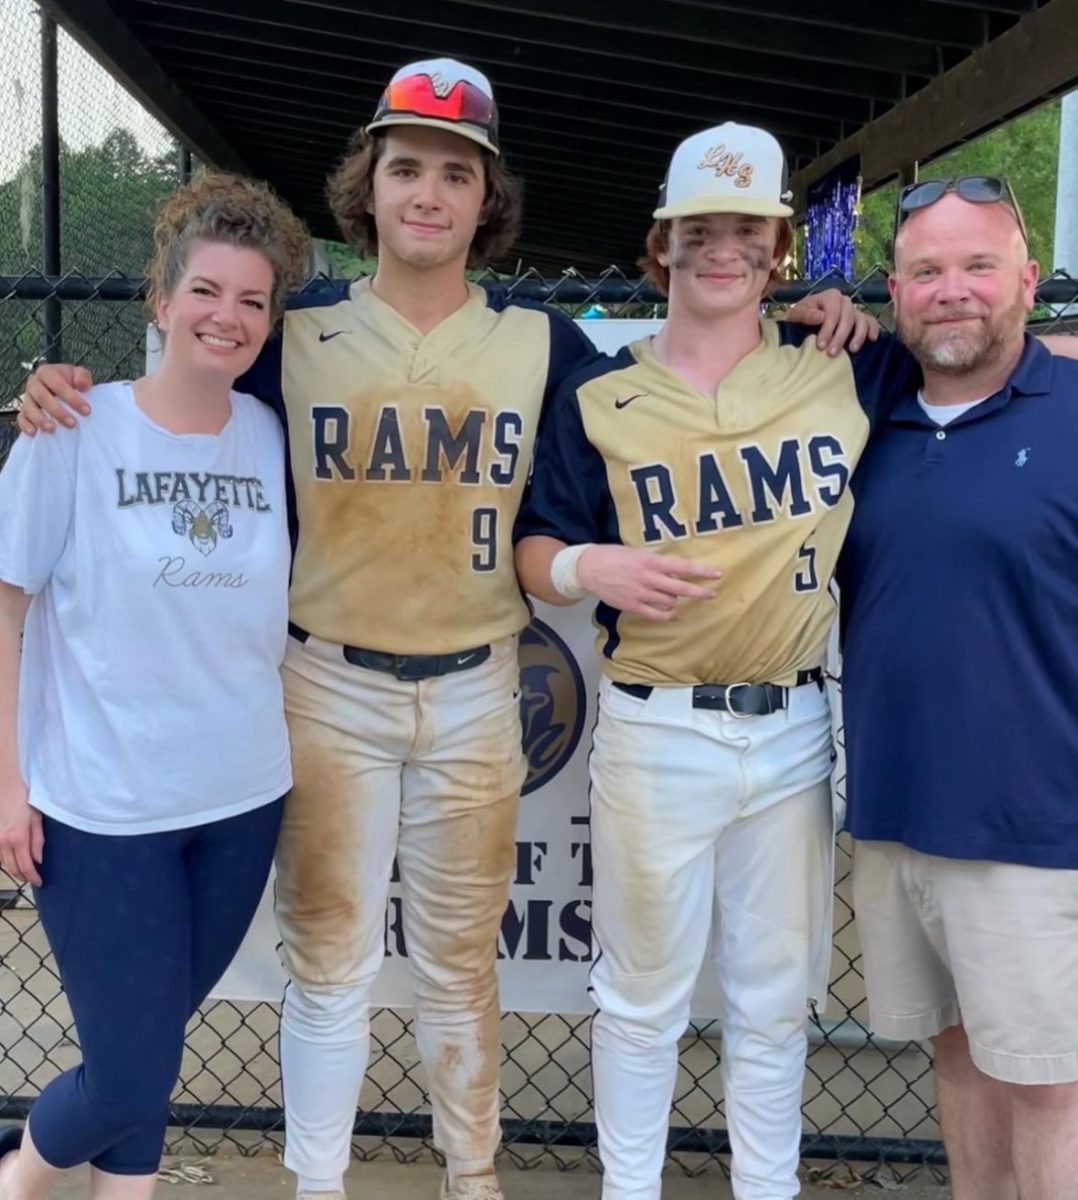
410	403
696	485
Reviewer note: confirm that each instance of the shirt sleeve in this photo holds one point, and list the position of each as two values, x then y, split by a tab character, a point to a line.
567	496
570	349
883	370
263	378
37	506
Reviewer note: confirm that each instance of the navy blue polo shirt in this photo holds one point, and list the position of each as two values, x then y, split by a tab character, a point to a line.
959	611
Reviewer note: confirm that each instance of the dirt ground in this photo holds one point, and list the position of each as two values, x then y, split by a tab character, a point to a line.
262	1178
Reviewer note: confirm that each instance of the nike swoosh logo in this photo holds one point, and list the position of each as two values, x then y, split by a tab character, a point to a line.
630	399
466	658
325	337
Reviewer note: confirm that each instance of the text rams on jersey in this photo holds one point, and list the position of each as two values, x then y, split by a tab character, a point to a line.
773	482
484	447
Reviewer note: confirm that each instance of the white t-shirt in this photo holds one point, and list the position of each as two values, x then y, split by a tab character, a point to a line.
150	694
944	414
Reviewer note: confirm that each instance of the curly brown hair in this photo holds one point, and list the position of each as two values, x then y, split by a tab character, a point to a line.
218	207
350	190
658	242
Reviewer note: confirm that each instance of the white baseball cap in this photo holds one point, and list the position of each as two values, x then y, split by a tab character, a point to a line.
730	168
444	94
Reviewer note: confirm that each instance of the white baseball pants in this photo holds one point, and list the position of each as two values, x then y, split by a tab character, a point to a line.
703	819
430	772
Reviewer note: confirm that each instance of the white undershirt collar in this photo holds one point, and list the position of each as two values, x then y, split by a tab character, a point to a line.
944	414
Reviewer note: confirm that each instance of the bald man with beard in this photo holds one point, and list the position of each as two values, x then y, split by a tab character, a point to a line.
959	590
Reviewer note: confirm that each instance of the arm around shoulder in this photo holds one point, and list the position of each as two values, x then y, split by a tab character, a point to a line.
1063	344
53	392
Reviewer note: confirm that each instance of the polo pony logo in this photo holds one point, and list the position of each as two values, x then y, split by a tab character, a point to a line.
553	703
726	162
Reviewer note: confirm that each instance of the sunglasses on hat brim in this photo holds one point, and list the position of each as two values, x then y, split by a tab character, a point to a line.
416	96
976	189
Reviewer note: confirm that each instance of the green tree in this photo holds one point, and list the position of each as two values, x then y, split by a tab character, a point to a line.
1025	150
344	262
108	195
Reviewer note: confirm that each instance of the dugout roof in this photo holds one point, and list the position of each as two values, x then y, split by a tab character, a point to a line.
594	94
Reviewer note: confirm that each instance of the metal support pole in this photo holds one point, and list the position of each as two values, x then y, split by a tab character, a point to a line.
50	183
1065	250
183	164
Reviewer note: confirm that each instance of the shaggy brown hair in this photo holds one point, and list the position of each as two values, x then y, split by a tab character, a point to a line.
218	207
658	243
350	190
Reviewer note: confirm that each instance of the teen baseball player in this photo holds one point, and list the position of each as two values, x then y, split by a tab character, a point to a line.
410	402
696	485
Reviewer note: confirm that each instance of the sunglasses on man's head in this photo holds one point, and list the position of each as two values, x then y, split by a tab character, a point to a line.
977	189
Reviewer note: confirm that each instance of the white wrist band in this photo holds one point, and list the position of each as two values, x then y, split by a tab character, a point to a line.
563	572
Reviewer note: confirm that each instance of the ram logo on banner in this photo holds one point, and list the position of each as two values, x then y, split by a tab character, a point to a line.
552	703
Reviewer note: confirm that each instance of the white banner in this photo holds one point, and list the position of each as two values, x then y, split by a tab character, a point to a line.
545	943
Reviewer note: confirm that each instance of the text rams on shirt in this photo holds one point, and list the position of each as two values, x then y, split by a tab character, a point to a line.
445	450
202	504
776	484
480	448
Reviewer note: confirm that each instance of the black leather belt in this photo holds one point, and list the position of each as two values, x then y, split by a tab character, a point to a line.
409	667
738	699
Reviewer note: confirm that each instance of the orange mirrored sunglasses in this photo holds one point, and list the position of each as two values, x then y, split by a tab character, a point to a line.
419	96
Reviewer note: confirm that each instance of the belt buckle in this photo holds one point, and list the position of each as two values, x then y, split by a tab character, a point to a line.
739	716
409	668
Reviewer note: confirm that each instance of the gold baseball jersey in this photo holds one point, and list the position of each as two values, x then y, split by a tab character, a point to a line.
409	454
753	480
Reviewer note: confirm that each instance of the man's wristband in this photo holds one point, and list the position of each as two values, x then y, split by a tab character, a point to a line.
563	572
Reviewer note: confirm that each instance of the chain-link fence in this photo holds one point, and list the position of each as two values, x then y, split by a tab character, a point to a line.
865	1100
115	163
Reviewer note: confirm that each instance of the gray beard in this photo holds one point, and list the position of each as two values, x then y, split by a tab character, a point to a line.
966	352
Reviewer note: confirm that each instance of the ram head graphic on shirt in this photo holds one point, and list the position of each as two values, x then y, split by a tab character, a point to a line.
202	525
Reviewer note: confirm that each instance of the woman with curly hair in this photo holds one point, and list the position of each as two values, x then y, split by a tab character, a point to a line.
144	557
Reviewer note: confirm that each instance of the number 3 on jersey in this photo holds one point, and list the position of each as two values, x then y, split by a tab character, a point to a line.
485	539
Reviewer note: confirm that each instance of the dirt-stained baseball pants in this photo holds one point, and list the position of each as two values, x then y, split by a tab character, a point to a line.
701	819
431	772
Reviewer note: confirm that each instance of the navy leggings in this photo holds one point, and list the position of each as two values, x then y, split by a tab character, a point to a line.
141	928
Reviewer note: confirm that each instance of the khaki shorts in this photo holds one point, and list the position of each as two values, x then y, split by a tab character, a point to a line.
990	946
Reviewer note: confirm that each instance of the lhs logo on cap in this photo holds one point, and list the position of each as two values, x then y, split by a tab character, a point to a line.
729	168
726	162
442	93
440	85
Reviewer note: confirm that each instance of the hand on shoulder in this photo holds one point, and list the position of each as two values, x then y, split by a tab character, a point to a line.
53	393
